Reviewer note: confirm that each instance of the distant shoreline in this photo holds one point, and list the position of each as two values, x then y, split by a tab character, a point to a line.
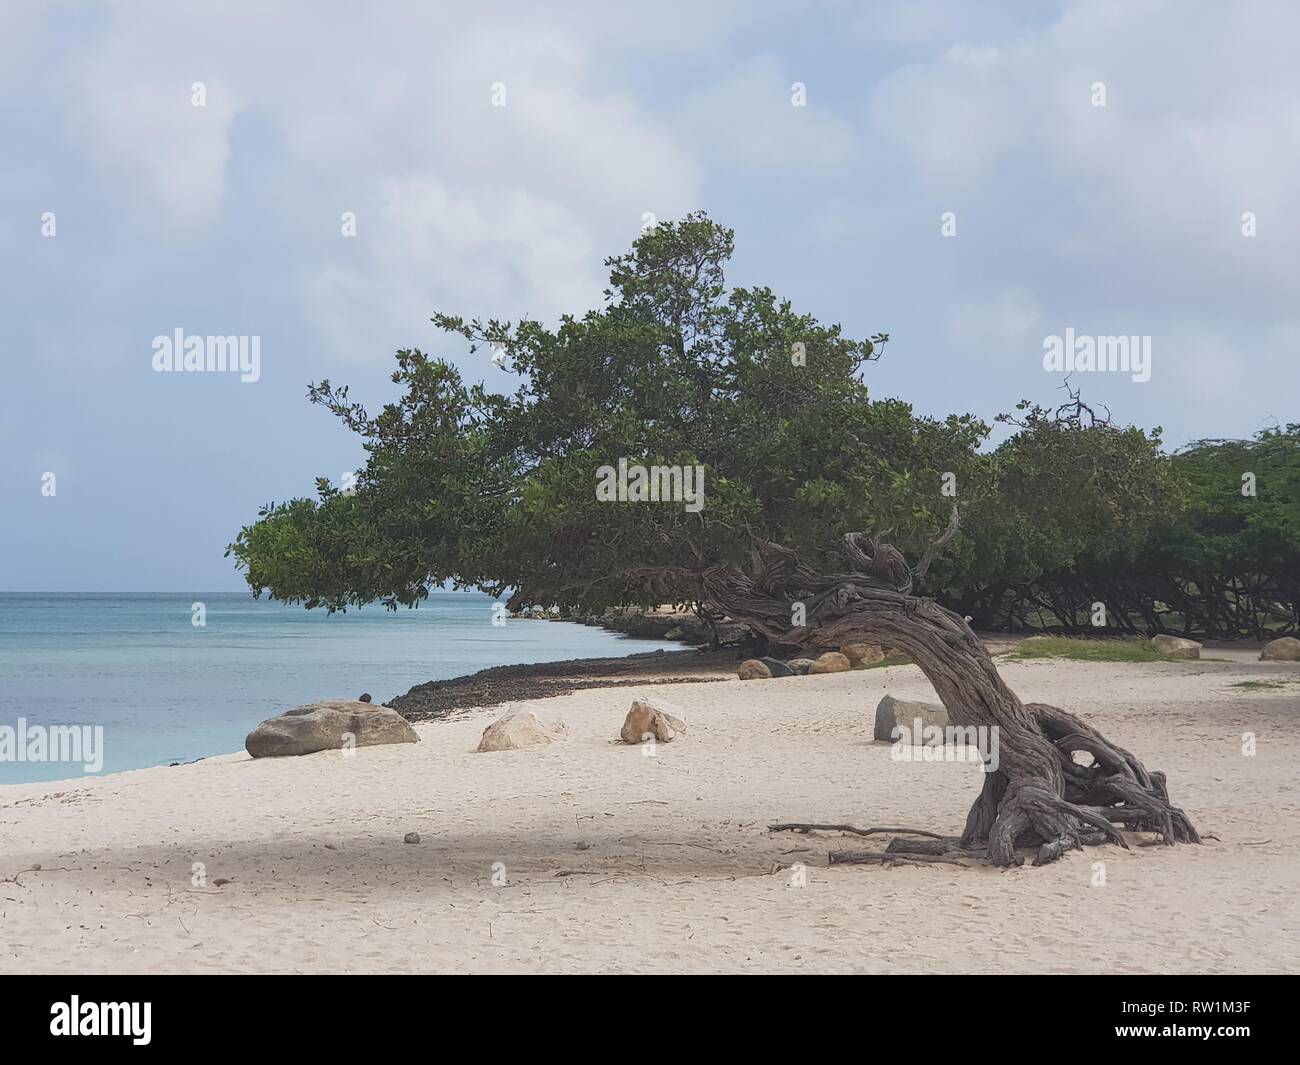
443	699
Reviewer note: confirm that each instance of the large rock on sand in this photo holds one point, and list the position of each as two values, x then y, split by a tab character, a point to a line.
861	655
1176	646
894	714
327	726
648	718
763	669
1287	649
799	666
523	728
830	662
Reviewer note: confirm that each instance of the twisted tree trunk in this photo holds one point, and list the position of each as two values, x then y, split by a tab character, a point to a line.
1038	796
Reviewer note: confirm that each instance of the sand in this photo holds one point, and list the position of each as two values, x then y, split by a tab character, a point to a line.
589	856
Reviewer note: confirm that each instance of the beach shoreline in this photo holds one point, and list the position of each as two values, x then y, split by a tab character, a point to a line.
588	855
167	683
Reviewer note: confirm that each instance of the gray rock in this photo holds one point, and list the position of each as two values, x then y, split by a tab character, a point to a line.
800	666
523	728
1176	646
411	837
894	714
327	726
1286	649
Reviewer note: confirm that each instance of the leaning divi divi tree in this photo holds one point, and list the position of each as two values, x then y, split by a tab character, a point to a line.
471	486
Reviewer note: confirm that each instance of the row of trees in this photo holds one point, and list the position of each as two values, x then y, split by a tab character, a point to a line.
498	491
1204	542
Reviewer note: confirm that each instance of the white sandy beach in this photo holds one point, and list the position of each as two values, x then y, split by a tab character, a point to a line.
618	862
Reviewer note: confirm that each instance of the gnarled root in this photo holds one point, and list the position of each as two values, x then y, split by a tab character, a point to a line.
1116	785
1081	806
1038	795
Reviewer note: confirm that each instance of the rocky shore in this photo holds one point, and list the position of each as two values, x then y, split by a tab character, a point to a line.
444	698
658	623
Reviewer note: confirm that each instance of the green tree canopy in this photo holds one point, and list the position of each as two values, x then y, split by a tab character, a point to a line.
468	486
1243	504
475	488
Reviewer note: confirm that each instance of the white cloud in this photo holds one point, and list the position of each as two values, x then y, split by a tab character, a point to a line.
429	248
1011	321
749	119
920	22
171	156
387	113
1164	170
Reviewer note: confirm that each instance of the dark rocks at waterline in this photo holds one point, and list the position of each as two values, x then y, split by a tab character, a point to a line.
497	684
678	626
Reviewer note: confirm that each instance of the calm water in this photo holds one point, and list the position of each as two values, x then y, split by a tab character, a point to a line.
166	691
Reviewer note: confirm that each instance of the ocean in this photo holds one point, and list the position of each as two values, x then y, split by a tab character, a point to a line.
166	690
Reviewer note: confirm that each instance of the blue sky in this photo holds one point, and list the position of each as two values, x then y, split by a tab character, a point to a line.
226	219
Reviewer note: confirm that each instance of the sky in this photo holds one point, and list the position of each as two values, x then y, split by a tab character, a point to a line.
971	178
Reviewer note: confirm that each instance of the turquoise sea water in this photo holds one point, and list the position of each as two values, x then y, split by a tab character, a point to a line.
167	691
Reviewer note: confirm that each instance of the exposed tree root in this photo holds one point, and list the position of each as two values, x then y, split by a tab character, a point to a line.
1039	795
931	849
851	829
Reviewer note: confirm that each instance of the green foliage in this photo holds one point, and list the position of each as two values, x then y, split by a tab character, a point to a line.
466	486
676	369
1070	492
430	478
1224	527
